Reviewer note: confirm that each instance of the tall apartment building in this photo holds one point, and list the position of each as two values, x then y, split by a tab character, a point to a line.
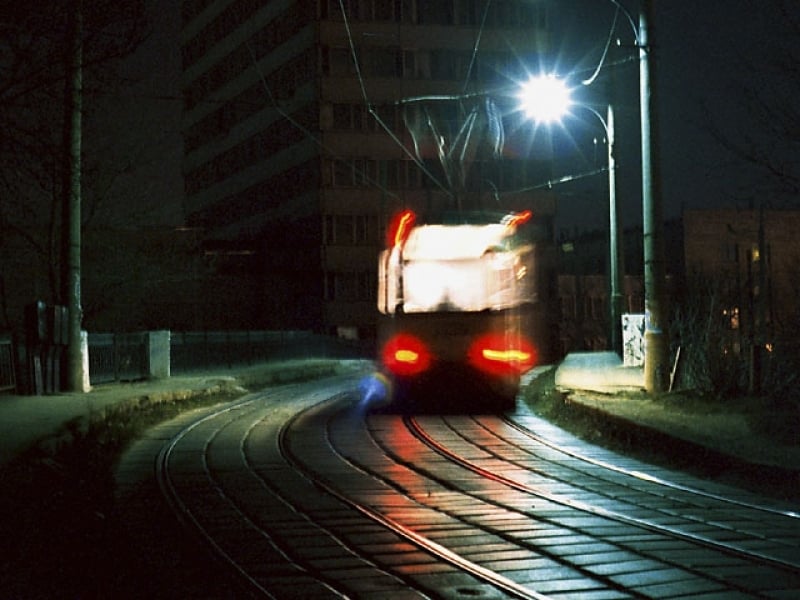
305	129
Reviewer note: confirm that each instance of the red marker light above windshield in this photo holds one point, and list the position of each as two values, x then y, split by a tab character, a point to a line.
400	228
516	219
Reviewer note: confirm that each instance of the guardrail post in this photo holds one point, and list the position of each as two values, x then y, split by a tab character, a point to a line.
158	354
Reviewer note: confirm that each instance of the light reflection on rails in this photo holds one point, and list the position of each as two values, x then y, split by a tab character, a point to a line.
497	580
730	549
647	476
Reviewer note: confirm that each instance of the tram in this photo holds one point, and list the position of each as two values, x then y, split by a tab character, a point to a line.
455	296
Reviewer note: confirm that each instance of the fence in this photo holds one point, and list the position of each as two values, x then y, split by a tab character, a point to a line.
192	351
7	379
118	357
135	356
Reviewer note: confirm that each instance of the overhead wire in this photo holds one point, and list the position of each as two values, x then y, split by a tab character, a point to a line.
594	75
636	33
374	113
475	46
464	95
303	129
553	182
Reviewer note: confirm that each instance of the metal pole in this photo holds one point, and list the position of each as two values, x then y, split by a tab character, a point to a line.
614	241
656	348
71	280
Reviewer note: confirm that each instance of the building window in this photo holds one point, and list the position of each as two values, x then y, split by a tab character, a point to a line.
386	10
338	62
342	117
568	308
386	117
344	232
595	308
730	253
382	61
362	172
435	12
350	230
366	229
731	316
390	170
409	175
635	303
358	286
468	12
342	173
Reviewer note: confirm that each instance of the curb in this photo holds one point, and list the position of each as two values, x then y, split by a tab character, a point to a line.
208	384
694	457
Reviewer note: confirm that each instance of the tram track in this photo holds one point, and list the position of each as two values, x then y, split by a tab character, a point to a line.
209	514
650	525
789	568
646	477
439	509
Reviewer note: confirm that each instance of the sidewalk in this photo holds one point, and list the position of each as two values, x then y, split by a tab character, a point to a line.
721	436
28	420
598	372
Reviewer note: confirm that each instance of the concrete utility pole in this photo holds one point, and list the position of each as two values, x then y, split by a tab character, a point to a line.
615	254
656	347
71	216
759	295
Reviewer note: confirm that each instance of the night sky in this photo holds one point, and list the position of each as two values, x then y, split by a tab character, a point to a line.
708	72
709	55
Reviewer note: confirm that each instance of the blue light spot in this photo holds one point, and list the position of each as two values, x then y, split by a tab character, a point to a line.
374	389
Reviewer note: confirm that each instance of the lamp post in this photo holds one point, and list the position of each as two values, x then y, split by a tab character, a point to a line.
656	347
546	100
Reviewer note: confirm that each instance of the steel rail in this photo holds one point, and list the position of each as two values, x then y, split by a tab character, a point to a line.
729	549
504	584
647	477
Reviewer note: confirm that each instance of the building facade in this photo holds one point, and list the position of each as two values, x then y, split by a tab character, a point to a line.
749	260
305	128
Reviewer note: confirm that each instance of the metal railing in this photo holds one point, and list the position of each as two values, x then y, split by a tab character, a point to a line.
117	357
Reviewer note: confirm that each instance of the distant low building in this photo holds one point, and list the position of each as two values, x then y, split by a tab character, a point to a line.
584	311
752	260
583	289
745	262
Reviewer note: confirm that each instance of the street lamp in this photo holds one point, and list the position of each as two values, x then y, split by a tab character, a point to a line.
656	347
547	99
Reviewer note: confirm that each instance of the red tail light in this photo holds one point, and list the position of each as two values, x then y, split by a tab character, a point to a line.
406	355
499	354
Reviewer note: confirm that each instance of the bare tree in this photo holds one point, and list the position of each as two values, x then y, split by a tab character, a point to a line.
34	38
711	341
769	139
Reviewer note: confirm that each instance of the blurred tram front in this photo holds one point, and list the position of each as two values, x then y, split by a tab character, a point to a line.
456	296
